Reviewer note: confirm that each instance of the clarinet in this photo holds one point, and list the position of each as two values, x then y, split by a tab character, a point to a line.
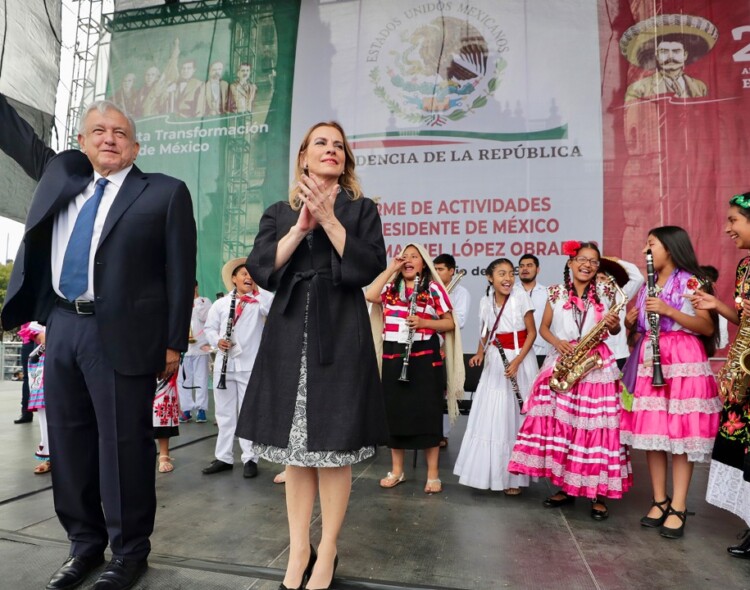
513	380
222	384
657	380
410	336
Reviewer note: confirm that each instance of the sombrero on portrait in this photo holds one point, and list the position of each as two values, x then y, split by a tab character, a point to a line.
228	269
697	34
609	265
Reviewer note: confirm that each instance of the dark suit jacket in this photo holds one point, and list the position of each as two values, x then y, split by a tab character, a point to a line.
144	268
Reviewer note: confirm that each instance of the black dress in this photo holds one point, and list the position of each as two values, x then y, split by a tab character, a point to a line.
319	310
729	478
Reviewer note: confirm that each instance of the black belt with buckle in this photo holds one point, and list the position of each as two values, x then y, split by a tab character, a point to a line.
79	307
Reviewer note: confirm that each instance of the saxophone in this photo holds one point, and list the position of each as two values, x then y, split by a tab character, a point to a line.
734	375
571	368
455	280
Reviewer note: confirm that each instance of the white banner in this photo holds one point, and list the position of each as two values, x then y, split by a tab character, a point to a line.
477	125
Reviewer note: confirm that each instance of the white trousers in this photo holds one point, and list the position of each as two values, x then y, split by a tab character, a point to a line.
227	404
192	383
42	451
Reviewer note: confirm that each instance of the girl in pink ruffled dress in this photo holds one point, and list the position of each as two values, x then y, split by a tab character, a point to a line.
680	418
573	437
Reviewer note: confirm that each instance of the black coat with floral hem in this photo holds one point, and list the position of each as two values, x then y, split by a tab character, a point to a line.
345	408
733	439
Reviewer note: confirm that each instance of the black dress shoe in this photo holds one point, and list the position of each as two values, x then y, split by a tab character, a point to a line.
652	523
74	571
670	533
743	549
217	466
599	514
553	502
250	470
121	574
25	418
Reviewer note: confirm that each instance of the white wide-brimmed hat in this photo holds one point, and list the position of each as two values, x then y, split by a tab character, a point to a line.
228	269
697	34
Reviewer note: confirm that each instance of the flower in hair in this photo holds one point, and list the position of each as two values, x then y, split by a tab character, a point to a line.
693	284
742	201
571	247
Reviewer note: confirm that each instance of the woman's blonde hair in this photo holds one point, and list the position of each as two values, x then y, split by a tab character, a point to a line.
348	179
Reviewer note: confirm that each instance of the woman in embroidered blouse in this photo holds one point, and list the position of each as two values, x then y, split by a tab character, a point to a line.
414	408
573	437
680	418
729	478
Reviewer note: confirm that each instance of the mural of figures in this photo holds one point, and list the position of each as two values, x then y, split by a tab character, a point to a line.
185	94
126	96
215	91
201	96
242	91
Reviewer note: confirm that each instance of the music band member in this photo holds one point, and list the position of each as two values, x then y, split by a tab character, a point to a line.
680	418
583	457
242	313
505	350
729	478
415	307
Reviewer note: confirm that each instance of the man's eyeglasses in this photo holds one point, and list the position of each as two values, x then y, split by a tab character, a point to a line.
583	260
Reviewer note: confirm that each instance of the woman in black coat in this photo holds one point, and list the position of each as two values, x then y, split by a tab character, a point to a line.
314	401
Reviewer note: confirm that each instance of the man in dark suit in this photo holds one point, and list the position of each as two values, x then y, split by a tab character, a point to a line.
109	266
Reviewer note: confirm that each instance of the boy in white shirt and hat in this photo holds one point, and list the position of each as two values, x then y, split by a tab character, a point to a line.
248	306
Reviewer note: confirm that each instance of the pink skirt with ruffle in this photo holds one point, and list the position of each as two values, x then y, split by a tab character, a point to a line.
682	417
573	438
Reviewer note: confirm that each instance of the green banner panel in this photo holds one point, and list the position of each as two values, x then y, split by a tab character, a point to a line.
209	85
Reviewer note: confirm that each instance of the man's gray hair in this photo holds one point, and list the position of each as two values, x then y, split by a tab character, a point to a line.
103	106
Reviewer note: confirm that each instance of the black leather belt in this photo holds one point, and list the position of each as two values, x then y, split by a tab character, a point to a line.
79	307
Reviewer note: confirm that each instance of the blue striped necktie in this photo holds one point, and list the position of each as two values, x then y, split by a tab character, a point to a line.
74	278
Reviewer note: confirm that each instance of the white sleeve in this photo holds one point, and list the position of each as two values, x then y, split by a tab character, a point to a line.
723	332
483	327
525	304
213	324
635	279
203	308
266	299
461	304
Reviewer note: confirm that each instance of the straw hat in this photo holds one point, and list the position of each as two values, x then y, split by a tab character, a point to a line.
228	269
697	34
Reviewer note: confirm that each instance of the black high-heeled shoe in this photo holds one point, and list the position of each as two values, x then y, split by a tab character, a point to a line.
306	574
333	575
670	533
743	549
651	522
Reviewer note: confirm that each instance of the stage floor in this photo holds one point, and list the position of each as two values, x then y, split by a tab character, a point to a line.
225	532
